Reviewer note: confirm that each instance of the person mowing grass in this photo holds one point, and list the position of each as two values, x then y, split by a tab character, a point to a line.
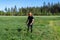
30	21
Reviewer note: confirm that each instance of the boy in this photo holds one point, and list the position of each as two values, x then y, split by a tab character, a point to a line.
30	21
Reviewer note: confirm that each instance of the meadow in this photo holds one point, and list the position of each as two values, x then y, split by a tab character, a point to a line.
15	28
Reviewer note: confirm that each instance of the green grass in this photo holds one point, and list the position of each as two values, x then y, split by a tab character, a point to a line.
44	28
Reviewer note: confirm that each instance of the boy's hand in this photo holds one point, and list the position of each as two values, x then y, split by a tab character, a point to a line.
31	24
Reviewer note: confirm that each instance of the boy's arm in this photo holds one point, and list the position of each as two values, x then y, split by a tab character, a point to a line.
32	22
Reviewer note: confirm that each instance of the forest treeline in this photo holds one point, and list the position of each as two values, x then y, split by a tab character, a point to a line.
46	10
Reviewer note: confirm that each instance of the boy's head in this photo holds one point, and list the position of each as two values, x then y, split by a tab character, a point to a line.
29	14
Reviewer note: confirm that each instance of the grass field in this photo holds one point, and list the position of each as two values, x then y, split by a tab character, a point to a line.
44	28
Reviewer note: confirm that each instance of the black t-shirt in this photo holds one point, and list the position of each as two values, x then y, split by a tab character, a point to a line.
30	19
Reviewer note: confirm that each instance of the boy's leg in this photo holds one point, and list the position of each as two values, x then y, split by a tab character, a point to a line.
31	28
